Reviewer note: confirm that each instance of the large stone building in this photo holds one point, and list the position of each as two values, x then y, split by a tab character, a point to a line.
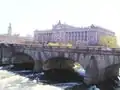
65	33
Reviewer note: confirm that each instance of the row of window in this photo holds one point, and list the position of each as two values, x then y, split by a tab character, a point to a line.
78	38
69	36
82	33
77	35
45	34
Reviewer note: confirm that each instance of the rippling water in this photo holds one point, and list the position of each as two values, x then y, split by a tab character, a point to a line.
28	80
11	81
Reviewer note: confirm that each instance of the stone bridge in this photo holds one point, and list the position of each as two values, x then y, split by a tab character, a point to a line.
99	64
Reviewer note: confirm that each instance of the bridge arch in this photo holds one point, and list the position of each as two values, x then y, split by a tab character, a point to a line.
22	61
58	63
112	71
58	69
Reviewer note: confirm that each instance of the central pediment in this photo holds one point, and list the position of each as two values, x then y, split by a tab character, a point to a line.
60	26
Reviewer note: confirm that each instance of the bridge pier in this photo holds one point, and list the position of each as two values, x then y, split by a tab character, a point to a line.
92	71
5	52
37	65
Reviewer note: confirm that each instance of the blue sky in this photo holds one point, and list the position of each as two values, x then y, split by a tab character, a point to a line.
28	15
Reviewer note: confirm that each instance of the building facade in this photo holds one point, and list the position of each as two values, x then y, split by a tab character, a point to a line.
10	38
14	39
66	33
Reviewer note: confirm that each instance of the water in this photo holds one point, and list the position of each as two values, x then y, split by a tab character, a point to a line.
27	80
12	81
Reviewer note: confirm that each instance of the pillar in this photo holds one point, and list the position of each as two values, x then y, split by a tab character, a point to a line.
37	65
92	71
1	54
